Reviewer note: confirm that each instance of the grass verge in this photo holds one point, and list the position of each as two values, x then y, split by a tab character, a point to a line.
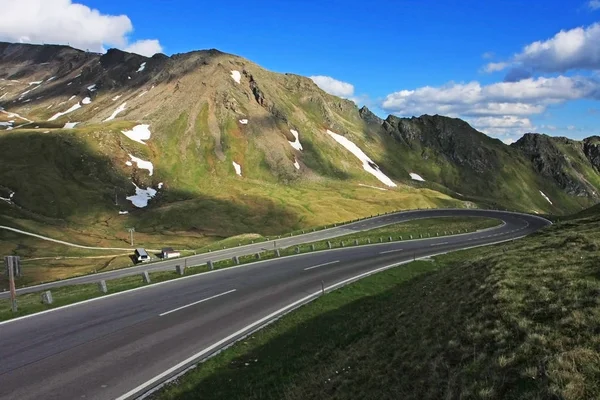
31	303
513	321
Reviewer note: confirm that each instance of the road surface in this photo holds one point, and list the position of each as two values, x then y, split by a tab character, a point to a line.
367	224
119	346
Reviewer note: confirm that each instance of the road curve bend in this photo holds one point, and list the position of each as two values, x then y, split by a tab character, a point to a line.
120	346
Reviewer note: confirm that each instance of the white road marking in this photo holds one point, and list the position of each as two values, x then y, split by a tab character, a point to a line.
390	251
322	265
196	302
438	244
282	311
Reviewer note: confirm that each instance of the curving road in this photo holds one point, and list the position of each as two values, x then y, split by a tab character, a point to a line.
120	346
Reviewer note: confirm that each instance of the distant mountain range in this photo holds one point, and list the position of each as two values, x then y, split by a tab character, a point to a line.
217	146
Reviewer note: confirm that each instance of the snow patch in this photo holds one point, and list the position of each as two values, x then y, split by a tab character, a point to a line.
142	67
372	187
86	100
9	198
70	125
35	83
116	97
92	88
69	84
119	109
236	76
27	91
244	121
123	212
5	123
128	163
238	168
13	115
296	164
51	79
60	114
142	196
368	164
71	98
141	164
296	143
546	197
139	133
143	93
416	177
160	185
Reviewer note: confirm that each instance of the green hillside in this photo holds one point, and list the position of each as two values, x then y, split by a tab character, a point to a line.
512	321
219	133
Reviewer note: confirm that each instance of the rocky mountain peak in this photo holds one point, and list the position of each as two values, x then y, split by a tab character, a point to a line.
369	117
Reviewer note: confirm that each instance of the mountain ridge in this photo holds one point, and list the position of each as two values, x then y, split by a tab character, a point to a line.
223	131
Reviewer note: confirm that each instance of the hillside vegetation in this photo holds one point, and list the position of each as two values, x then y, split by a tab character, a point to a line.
197	147
512	321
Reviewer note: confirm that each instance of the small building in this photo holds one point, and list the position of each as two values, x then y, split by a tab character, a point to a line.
141	255
168	252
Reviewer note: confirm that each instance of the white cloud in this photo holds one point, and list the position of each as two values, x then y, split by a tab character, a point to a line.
571	127
64	22
488	55
508	140
498	108
594	4
494	67
575	49
147	47
525	97
549	127
333	86
500	126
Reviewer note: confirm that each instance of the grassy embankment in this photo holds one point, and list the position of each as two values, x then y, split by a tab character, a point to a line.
513	321
30	303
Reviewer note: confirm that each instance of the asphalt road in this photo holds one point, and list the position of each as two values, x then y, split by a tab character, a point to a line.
118	346
367	224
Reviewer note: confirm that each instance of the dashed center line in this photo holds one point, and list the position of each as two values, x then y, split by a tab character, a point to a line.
390	251
322	265
197	302
439	244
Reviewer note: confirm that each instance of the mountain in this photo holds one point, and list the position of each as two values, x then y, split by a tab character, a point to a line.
572	164
217	146
536	173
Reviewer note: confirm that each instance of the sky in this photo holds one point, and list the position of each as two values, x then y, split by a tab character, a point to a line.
506	66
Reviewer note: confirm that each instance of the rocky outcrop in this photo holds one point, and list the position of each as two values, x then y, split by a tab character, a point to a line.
451	138
591	148
549	158
368	116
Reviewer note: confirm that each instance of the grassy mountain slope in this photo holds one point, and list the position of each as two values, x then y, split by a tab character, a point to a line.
72	178
206	111
451	153
513	321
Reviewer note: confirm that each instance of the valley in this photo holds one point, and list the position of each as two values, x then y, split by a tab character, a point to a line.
198	147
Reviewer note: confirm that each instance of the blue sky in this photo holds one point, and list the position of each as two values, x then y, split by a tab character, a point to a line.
382	48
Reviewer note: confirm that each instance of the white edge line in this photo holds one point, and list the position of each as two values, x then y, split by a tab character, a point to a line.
196	302
222	270
374	218
140	389
322	265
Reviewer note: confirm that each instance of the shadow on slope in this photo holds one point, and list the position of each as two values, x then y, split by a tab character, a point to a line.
512	321
59	179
